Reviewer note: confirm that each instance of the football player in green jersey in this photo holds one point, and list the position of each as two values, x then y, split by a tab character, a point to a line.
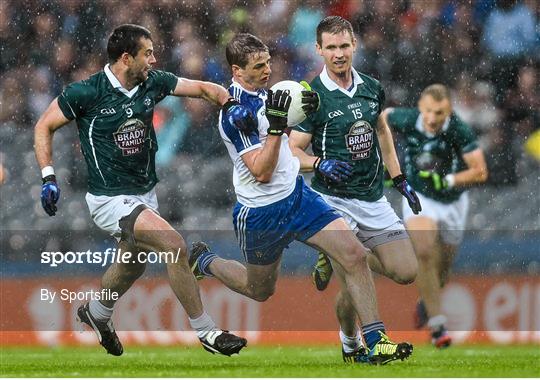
348	132
113	110
442	160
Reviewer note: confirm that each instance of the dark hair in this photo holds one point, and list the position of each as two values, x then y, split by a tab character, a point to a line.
241	47
126	39
437	91
333	25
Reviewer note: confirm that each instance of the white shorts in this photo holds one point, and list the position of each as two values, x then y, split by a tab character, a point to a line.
374	223
107	211
451	217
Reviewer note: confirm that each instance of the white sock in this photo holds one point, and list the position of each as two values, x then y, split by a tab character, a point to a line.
202	325
436	322
99	311
350	343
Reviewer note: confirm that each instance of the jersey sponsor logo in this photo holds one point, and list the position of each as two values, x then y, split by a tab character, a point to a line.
130	104
354	105
374	106
129	202
395	234
130	137
107	111
359	140
334	114
149	104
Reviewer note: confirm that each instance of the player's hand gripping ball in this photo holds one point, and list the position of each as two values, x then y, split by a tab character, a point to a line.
277	107
304	100
310	99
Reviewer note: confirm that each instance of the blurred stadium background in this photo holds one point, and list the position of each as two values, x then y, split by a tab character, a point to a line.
486	51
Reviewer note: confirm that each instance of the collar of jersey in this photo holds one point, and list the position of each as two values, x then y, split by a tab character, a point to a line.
420	126
332	86
116	83
238	89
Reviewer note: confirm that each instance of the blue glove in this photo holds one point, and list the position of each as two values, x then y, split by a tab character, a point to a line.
50	193
334	170
401	184
239	116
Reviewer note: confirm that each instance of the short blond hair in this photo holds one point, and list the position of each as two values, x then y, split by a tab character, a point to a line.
437	91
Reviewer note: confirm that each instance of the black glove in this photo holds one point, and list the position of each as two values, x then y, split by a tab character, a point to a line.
50	193
334	170
401	184
310	99
239	116
277	108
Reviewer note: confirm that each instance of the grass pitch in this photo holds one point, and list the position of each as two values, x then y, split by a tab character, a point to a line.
318	361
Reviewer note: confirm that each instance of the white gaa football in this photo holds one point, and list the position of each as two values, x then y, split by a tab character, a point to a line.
296	113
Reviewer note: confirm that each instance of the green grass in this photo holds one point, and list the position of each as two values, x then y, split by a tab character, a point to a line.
319	361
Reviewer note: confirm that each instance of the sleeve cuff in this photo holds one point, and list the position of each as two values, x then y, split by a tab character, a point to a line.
46	171
450	180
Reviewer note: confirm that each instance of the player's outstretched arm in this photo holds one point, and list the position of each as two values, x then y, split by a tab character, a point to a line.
237	114
214	93
52	119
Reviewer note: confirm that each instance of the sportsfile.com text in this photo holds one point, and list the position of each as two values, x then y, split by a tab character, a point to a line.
109	256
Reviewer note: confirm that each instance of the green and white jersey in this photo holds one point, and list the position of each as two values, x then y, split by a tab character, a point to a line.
442	153
117	135
344	128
